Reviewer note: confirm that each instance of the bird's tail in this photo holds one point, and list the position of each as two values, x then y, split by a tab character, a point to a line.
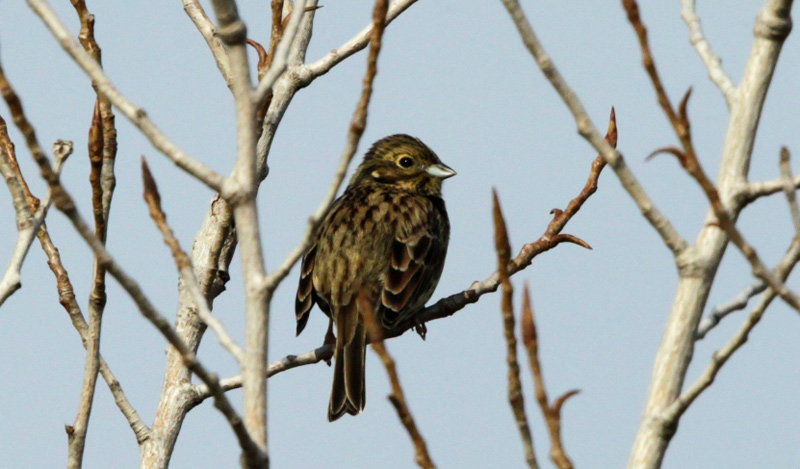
348	393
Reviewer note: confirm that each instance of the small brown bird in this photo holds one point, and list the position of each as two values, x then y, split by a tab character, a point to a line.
386	235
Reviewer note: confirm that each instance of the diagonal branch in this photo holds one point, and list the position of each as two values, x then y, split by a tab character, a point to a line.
184	264
397	397
358	42
672	239
703	48
207	29
61	151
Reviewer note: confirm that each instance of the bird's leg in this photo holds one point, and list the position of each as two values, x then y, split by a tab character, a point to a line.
420	327
330	339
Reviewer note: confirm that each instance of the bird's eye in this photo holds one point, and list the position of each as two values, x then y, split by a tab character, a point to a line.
406	162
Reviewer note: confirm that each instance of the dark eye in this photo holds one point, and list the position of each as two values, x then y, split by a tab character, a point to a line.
406	162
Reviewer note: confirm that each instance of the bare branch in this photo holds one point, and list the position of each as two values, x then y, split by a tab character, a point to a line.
552	415
689	161
76	434
672	239
29	224
357	126
184	264
137	116
280	55
323	353
784	267
207	29
240	191
720	357
700	43
751	191
515	397
358	42
789	189
397	397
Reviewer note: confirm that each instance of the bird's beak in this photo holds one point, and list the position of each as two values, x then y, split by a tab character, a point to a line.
441	171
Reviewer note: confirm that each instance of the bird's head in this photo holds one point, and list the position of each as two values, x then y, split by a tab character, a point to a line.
403	162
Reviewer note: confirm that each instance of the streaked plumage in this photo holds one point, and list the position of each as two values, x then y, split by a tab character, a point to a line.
387	234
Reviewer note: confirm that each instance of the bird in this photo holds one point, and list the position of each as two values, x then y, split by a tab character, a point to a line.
385	238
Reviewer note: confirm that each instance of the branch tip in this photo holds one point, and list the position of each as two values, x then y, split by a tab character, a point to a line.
558	403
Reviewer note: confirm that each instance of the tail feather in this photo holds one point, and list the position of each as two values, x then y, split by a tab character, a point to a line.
348	393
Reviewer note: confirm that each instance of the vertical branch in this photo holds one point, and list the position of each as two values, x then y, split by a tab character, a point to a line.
514	386
552	415
240	191
97	300
102	155
397	397
788	188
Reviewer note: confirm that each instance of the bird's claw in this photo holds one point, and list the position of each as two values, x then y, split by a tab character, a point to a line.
420	328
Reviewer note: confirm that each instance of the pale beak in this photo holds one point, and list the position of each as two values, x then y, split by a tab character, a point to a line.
441	171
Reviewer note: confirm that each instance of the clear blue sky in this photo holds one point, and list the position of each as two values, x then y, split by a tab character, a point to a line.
456	75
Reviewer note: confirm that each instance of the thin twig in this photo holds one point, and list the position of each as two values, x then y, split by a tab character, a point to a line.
280	55
397	397
356	130
672	239
102	155
76	434
184	264
552	415
784	267
323	353
789	189
736	303
137	116
740	301
703	48
515	397
207	29
751	191
311	71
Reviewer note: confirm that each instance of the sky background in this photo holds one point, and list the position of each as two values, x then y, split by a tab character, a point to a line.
456	75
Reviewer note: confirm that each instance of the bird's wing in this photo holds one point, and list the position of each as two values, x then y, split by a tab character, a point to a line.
417	258
305	290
